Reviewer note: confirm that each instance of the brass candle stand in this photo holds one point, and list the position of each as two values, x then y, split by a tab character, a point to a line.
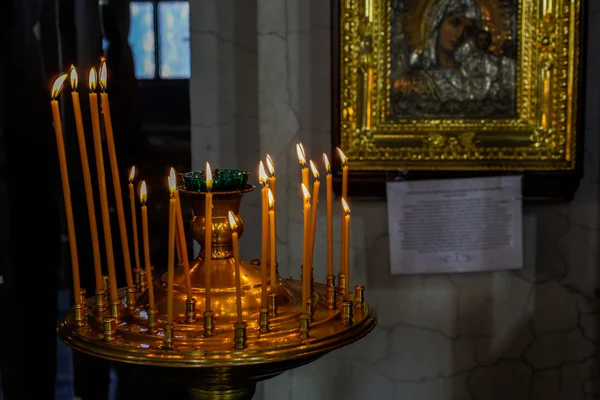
229	362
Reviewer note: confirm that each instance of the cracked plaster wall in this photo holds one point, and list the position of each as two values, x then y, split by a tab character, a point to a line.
260	83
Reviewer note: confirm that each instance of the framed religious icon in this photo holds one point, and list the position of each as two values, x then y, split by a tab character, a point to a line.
455	88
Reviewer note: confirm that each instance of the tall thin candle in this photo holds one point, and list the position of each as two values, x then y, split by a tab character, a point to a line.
344	161
272	242
110	257
313	222
236	260
136	247
147	263
208	236
87	179
273	187
64	175
171	250
182	242
305	266
328	183
302	160
262	176
346	246
114	167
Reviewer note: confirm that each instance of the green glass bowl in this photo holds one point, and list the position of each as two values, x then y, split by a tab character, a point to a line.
224	180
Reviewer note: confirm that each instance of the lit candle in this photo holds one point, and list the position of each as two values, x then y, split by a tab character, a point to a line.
302	161
87	179
346	246
208	235
305	267
272	242
136	248
114	167
344	161
110	258
143	198
329	185
262	176
171	250
64	175
273	187
182	241
313	222
236	260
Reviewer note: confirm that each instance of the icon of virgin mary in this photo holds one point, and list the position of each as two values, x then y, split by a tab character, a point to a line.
454	72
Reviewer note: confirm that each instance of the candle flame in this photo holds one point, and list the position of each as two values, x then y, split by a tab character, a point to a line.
342	157
209	177
103	75
74	78
315	171
262	174
270	165
327	165
132	173
301	154
58	85
305	193
92	79
143	193
271	200
232	222
171	179
345	207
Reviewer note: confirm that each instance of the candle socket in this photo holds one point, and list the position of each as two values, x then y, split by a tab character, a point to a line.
359	296
109	328
142	281
136	278
347	312
331	297
209	322
309	309
152	320
100	306
190	311
114	309
273	302
168	338
341	285
263	322
240	335
304	324
79	312
83	297
131	298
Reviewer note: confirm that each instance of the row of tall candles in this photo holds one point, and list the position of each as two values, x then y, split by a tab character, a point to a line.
176	238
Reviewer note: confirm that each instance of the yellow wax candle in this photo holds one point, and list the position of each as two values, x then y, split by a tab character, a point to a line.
344	161
110	258
114	167
328	183
302	160
305	266
182	242
208	236
273	187
265	233
346	236
171	252
236	260
147	264
272	242
64	175
313	222
87	179
136	247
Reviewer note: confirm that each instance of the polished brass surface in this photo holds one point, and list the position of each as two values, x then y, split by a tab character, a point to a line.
190	311
79	317
209	323
540	136
359	297
100	305
227	363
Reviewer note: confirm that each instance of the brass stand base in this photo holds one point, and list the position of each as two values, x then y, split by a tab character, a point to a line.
245	393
